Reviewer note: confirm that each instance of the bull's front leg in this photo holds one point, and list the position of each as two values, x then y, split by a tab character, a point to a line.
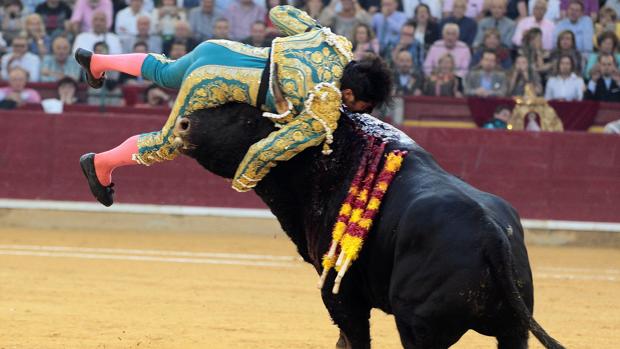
349	312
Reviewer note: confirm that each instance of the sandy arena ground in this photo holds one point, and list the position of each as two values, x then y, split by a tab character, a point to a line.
118	289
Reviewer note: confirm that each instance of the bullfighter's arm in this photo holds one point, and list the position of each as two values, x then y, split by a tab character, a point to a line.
292	21
312	127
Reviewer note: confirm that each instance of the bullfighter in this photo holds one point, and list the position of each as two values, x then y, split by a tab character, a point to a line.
301	83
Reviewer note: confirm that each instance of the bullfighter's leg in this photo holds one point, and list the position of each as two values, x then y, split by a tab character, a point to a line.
155	67
204	87
350	313
280	145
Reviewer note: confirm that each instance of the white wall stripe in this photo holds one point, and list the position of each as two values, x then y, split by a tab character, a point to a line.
79	206
242	256
148	258
51	251
251	213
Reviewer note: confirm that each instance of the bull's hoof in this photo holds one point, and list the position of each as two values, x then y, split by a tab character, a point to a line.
83	57
103	194
342	343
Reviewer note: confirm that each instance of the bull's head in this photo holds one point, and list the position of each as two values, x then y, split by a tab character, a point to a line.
218	138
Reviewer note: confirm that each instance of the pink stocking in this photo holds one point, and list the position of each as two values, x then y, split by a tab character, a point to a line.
128	63
107	161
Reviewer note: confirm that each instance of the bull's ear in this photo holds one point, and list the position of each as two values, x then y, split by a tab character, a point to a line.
348	97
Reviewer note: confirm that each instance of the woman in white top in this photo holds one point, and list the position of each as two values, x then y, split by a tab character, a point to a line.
566	85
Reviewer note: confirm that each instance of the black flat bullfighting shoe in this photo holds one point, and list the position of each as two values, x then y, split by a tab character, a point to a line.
83	57
105	195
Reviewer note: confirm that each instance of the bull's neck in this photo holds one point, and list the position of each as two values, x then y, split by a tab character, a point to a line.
306	192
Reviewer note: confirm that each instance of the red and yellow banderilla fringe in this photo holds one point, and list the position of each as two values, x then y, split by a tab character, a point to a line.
358	211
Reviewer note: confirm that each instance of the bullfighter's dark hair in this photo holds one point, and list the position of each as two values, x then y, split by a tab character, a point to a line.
369	78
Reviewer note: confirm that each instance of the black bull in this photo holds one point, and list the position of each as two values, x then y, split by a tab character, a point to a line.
442	256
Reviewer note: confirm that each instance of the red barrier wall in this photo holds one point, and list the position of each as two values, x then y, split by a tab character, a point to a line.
564	176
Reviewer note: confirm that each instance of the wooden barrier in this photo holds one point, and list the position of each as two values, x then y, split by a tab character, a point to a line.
563	176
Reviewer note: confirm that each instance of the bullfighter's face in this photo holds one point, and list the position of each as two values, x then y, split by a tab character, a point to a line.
355	105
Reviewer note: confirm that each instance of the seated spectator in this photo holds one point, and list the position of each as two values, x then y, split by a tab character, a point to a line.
536	55
498	20
613	4
84	13
155	97
605	82
314	8
589	8
486	81
59	65
166	17
182	34
426	28
87	40
517	9
3	45
16	94
153	41
407	80
343	21
607	44
20	57
243	13
474	9
39	42
449	44
492	42
12	20
566	47
566	85
387	24
608	21
126	22
537	20
67	91
553	10
580	24
56	15
444	82
258	35
30	5
500	118
434	8
364	41
521	75
408	42
467	26
221	29
178	49
202	19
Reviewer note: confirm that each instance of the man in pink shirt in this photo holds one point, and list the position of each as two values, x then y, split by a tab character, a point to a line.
536	21
450	44
83	13
17	91
241	14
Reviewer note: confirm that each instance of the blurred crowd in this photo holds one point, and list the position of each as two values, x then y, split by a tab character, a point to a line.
566	49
